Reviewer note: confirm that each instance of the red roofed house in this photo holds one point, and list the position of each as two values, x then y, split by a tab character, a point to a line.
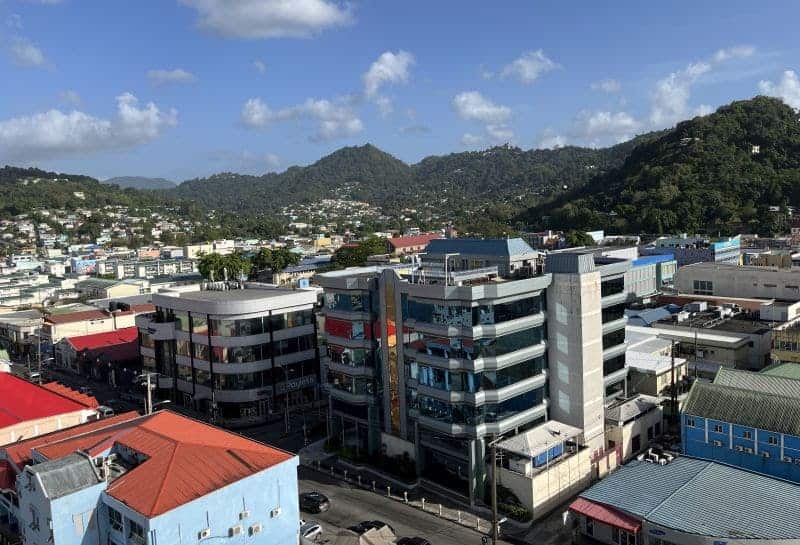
412	244
162	478
28	410
111	356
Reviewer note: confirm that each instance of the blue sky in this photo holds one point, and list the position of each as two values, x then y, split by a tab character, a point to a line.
184	88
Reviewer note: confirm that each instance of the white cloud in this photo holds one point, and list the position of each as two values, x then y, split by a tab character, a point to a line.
670	98
787	89
160	77
550	140
255	19
334	119
735	52
607	85
600	128
471	140
54	133
500	133
528	67
25	53
473	106
70	97
389	68
259	66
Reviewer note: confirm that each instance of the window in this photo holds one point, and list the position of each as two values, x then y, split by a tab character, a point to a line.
747	434
773	440
718	428
115	519
703	287
690	422
589	526
136	532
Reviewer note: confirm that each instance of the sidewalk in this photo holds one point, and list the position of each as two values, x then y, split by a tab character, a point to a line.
315	457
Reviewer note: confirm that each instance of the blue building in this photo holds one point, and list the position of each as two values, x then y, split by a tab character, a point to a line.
745	419
150	480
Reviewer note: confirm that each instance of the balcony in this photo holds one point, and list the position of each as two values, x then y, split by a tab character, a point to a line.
347	397
479	364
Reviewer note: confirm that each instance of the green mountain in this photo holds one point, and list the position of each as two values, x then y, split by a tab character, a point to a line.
140	182
23	190
716	173
500	174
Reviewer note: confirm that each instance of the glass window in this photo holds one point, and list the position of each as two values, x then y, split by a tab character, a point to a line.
201	351
613	313
353	385
185	373
199	324
495	314
181	320
114	519
454	413
202	378
183	348
471	349
292	319
613	365
349	302
354	357
613	339
146	340
612	287
435	313
136	532
243	381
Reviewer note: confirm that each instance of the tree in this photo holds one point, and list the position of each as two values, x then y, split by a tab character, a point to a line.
274	260
578	238
355	256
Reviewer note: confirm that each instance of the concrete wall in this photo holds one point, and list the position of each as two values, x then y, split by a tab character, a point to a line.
273	488
33	428
575	353
747	282
548	488
623	435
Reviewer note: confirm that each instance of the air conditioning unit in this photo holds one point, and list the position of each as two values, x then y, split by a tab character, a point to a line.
275	512
717	443
235	530
204	533
244	514
787	459
255	529
748	450
740	448
765	454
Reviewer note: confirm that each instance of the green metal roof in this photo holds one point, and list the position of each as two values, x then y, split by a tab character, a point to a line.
771	412
759	382
785	370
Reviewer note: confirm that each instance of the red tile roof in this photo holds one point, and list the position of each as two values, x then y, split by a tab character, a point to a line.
80	316
104	340
186	459
19	453
143	308
417	240
21	400
69	393
606	514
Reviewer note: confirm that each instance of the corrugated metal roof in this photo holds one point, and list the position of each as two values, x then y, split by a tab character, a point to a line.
474	246
759	382
628	409
704	498
606	514
751	408
786	370
21	400
66	475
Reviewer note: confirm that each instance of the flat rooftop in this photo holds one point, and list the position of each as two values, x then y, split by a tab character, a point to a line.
247	294
252	299
711	321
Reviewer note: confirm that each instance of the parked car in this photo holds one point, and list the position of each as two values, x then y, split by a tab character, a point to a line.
104	411
314	502
310	530
413	541
366	525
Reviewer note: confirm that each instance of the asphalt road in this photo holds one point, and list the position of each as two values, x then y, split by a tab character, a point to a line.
350	505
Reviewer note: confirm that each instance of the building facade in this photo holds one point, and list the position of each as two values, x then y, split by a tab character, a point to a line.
471	341
239	355
697	249
726	280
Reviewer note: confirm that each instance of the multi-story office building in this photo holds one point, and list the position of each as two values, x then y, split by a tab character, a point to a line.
469	342
726	280
239	355
146	268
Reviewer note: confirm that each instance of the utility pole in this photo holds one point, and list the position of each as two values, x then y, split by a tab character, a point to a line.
148	409
494	490
673	390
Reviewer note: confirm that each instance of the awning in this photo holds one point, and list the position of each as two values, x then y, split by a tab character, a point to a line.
606	514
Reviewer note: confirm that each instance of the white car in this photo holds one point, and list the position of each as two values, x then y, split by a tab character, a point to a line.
310	530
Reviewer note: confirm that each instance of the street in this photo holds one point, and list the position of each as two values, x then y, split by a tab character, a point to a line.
350	505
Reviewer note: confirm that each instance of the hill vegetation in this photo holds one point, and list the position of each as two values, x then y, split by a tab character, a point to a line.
717	173
140	182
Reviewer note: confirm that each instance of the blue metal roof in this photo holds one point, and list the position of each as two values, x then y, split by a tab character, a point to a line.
652	259
476	246
705	498
647	316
